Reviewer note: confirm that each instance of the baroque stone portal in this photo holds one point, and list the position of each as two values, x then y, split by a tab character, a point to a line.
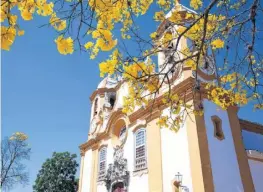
118	171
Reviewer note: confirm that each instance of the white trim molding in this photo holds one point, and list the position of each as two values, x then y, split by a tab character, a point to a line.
255	155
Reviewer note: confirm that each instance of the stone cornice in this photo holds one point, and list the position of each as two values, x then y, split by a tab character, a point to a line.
140	172
183	89
250	126
93	143
255	155
100	91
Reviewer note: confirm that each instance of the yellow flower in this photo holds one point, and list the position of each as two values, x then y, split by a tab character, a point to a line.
107	67
153	84
26	15
57	23
12	19
213	93
163	121
106	45
132	71
3	15
153	35
64	45
196	3
8	35
95	34
21	32
190	63
159	16
44	8
167	38
27	8
217	43
161	2
175	17
88	45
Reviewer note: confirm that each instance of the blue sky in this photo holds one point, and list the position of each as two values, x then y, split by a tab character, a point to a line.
46	95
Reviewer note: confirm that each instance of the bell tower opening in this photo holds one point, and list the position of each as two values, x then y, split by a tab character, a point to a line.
95	112
112	101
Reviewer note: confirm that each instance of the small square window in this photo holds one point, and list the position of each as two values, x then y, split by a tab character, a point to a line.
218	132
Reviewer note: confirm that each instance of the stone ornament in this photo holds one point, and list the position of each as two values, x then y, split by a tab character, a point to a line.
118	171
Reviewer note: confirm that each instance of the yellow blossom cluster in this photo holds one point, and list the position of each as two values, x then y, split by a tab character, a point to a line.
178	17
225	98
19	136
135	97
57	23
109	66
191	63
173	122
27	9
166	39
65	45
141	81
217	44
176	106
153	35
164	4
233	91
8	35
196	32
104	39
196	4
89	45
229	77
159	16
163	121
108	14
152	84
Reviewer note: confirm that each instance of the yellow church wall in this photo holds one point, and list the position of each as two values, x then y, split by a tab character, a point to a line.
154	157
175	157
202	179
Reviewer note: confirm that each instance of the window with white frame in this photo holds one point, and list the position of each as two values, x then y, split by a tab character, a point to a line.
102	163
140	149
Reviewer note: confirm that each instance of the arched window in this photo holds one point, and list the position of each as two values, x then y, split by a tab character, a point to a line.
112	100
140	149
95	107
102	163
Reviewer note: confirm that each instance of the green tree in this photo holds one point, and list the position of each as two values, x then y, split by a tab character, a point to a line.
14	151
58	174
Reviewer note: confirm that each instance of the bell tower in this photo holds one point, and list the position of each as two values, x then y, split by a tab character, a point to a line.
171	45
103	102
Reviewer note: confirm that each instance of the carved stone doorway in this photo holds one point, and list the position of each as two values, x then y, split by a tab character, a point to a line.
118	187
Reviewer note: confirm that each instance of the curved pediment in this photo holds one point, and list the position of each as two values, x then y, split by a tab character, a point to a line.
114	117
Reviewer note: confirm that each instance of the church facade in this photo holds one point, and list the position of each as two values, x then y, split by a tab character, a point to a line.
131	153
